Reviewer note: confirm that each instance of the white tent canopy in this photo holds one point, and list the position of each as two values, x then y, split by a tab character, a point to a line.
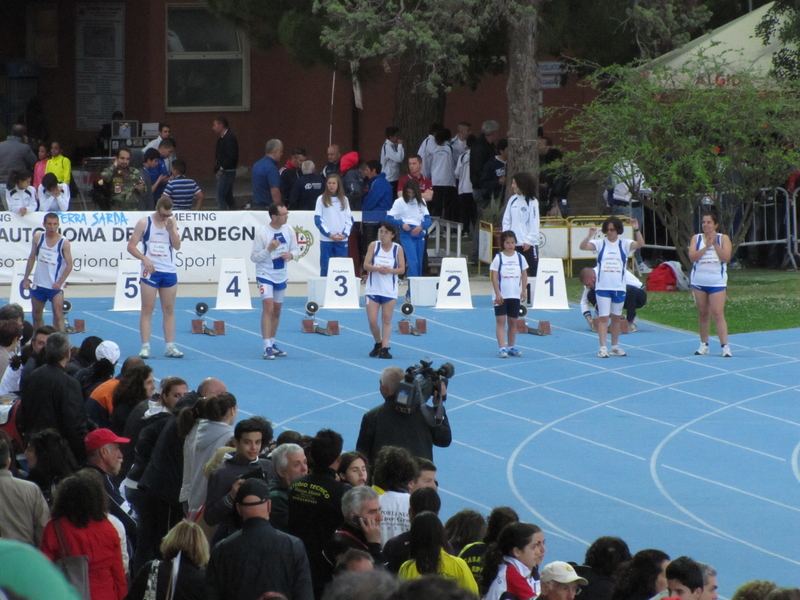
738	42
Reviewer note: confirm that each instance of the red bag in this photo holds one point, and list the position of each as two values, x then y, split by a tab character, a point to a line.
662	279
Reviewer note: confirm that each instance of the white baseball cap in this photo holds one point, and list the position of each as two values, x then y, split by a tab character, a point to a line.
108	350
561	572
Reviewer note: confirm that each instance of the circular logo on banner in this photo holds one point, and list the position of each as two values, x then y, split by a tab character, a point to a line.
542	239
305	239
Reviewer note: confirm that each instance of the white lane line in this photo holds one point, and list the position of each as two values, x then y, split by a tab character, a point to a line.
627	412
590	401
478	449
697	396
588	441
733	489
621	501
750	410
795	467
464	498
508	414
711	437
229	362
661	488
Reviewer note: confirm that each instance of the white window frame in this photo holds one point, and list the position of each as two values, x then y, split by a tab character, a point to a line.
243	55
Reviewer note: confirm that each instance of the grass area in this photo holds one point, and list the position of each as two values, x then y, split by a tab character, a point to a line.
758	300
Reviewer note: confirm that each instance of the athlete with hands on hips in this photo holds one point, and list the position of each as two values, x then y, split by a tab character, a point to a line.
52	251
159	236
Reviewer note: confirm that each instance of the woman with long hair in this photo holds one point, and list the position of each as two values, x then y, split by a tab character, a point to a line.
50	460
384	262
410	215
334	221
522	217
710	252
188	542
136	385
473	553
642	577
40	168
204	427
428	556
353	468
511	565
79	512
602	560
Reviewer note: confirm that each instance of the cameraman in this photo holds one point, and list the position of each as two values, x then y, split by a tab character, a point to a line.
391	424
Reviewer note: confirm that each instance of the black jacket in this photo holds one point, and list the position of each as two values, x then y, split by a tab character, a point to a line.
163	476
115	501
191	583
218	499
349	536
305	192
148	436
482	152
53	399
385	425
493	170
315	512
227	154
256	559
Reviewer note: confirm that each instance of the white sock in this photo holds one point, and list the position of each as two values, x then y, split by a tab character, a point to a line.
266	344
168	345
271	341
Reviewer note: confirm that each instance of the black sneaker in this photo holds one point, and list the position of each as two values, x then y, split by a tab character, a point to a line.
384	353
376	350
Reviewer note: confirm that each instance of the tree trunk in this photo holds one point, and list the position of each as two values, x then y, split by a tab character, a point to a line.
415	108
522	89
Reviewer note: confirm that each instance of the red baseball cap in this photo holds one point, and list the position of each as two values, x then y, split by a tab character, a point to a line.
100	437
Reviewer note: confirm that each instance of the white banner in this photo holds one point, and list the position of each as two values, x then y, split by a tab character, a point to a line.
99	241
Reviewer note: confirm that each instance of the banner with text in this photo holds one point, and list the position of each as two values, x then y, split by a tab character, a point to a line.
99	241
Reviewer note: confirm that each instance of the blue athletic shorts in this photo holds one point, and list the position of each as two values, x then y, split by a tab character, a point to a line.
710	289
509	308
161	280
379	299
43	294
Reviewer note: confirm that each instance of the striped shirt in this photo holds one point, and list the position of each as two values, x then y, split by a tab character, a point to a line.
182	191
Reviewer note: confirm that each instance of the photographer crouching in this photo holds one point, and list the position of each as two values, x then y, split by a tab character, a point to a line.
406	419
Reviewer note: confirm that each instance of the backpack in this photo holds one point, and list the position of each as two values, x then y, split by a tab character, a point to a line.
662	279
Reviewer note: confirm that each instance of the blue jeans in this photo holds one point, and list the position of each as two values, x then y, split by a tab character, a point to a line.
225	199
414	249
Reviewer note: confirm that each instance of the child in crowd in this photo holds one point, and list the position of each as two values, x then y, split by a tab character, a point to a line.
53	196
20	195
509	280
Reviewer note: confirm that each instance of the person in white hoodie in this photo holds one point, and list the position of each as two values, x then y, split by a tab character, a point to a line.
334	221
53	196
205	427
522	217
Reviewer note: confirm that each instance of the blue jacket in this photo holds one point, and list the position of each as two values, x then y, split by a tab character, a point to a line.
380	196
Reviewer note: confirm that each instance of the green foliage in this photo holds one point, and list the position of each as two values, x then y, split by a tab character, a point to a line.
663	25
783	21
288	23
692	133
434	34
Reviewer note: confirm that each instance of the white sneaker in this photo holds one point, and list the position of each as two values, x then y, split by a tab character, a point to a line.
726	351
702	350
173	352
617	351
145	351
603	352
643	268
632	327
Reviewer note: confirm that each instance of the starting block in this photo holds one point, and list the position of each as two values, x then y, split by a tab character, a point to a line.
79	324
404	326
314	325
523	327
200	326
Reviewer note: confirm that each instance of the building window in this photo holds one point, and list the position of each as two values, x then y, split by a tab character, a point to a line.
208	64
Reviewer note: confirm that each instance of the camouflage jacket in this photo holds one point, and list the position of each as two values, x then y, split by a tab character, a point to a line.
124	196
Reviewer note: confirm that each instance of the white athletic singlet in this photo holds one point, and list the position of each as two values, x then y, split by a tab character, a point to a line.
50	263
383	285
709	271
158	247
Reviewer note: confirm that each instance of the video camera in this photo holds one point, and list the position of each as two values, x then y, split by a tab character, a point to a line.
419	384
